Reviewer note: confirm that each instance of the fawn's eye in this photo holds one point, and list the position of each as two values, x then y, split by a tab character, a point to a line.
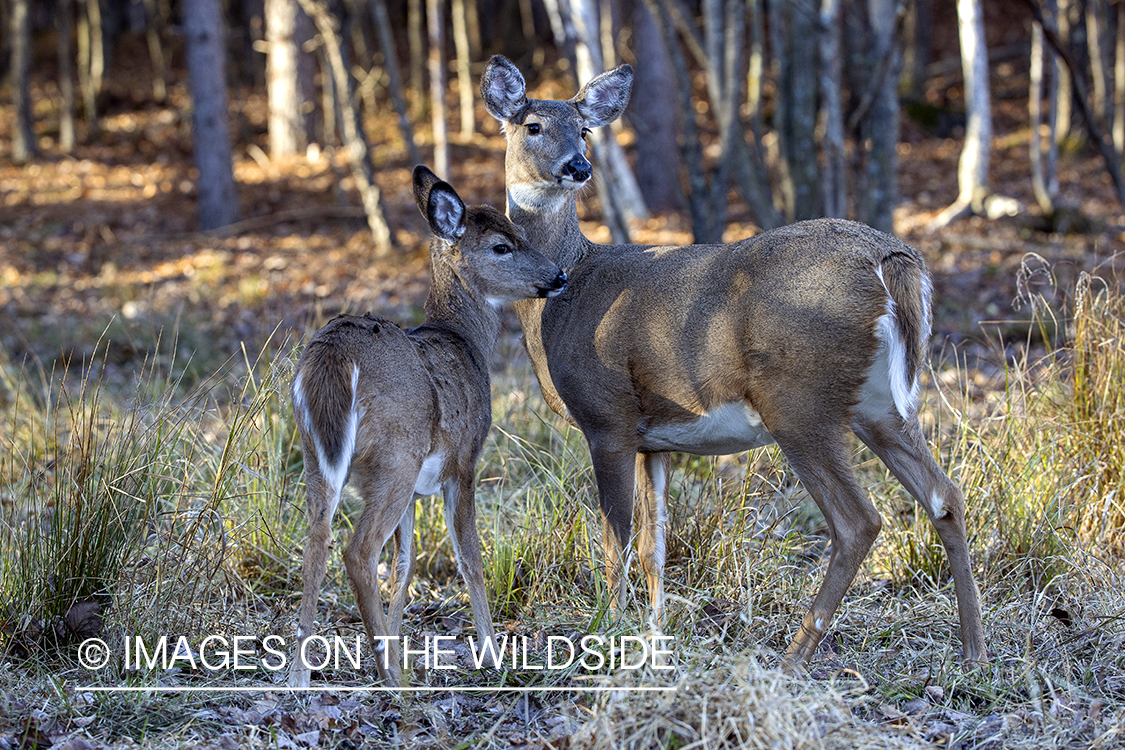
501	249
585	132
533	128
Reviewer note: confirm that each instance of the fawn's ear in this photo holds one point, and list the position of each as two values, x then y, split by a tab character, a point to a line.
603	99
503	89
439	203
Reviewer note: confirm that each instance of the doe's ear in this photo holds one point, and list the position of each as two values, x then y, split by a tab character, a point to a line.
604	98
503	89
439	203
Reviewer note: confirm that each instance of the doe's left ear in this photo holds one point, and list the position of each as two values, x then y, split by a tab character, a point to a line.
503	89
604	98
439	203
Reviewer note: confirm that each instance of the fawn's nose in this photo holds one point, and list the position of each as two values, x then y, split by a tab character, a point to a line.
556	288
578	169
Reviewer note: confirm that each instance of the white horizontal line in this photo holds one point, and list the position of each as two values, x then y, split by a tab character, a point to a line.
362	689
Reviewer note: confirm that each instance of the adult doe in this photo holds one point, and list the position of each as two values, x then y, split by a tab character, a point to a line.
794	336
407	412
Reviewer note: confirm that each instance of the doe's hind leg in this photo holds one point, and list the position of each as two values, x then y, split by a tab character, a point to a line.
901	445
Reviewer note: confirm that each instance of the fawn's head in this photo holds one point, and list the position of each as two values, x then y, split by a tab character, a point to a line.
547	138
484	248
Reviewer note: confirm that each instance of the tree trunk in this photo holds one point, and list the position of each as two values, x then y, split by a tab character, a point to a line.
916	56
793	28
5	39
382	22
206	61
750	163
654	88
1109	154
691	151
882	126
724	38
1097	37
359	154
66	76
620	191
835	164
417	42
90	57
435	28
23	139
972	171
1119	82
287	133
1066	86
527	25
154	31
1040	182
464	73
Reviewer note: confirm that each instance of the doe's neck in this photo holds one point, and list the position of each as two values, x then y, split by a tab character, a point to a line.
550	220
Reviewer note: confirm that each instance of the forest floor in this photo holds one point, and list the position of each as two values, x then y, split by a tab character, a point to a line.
100	263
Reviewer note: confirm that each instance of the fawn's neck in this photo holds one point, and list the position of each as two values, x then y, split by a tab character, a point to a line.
456	306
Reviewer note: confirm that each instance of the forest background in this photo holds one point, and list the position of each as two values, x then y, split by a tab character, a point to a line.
189	187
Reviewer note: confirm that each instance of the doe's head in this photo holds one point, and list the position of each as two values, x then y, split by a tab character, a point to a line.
486	250
547	138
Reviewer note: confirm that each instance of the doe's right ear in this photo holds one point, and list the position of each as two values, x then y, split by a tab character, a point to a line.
503	89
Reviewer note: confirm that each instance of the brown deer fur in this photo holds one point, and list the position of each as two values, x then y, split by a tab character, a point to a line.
796	336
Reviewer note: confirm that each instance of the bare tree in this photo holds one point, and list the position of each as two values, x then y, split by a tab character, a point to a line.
435	30
691	151
972	171
1119	81
156	16
416	38
91	59
359	153
916	54
794	39
382	20
879	127
461	44
206	60
1097	38
1044	181
66	75
617	186
287	133
1065	10
654	87
23	139
1110	156
835	194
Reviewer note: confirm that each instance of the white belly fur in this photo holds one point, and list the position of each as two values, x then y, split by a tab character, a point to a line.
731	428
429	478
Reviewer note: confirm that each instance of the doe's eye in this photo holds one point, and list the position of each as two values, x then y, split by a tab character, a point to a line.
585	132
533	128
501	249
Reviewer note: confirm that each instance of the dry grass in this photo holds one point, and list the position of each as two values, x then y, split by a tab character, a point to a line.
208	542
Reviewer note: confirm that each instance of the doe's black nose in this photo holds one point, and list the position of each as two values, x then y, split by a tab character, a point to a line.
578	169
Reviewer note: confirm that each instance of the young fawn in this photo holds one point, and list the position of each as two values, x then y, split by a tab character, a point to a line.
797	336
406	412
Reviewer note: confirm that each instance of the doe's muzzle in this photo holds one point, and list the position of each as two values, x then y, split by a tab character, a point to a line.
578	169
